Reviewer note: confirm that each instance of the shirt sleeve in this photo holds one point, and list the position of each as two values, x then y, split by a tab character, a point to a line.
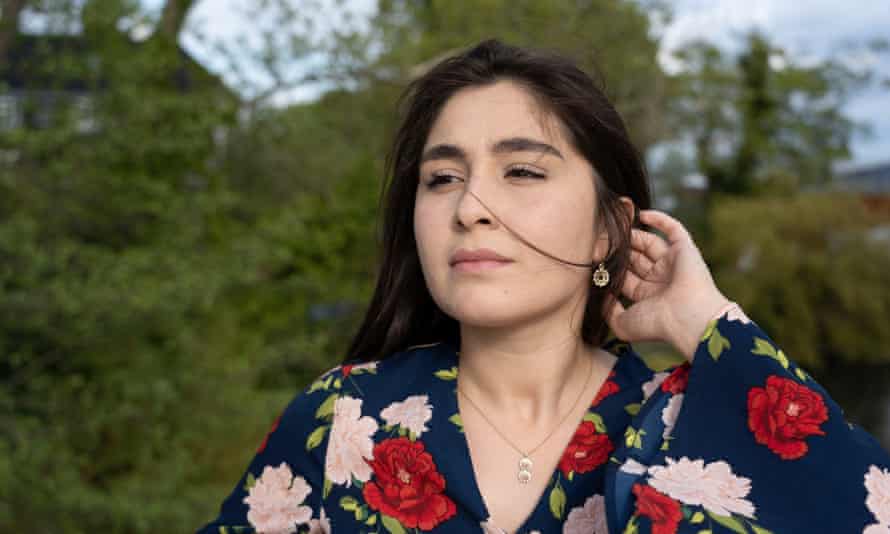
744	440
281	489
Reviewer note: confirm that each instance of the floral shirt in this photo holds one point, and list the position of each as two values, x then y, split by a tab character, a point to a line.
743	440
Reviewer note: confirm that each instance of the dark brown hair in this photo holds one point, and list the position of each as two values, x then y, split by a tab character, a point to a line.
402	312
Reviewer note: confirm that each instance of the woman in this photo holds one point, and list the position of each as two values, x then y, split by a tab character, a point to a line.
481	393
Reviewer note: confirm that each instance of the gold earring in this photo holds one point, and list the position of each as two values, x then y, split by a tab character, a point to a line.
601	276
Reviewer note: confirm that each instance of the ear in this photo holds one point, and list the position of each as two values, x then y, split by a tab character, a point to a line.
601	248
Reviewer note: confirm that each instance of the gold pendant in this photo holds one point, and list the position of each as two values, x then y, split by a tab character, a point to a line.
525	469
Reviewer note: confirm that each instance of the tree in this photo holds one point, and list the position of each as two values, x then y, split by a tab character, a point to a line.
762	116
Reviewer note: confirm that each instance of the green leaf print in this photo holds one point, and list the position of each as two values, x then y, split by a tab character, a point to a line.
457	421
361	512
631	527
326	489
760	530
632	409
716	344
349	503
597	421
633	437
314	439
557	501
392	524
765	348
249	482
728	522
321	383
327	407
709	329
447	374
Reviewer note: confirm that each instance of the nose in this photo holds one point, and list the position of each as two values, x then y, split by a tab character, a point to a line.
470	208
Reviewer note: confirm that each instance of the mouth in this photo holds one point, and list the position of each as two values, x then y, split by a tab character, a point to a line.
474	266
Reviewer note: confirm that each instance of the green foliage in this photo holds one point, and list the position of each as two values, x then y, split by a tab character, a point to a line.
761	114
810	271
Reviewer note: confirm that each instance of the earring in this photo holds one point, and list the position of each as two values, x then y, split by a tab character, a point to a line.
601	276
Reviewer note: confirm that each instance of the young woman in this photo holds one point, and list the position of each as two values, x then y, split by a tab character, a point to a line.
482	392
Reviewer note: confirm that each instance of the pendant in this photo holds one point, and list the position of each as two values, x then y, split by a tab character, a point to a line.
525	469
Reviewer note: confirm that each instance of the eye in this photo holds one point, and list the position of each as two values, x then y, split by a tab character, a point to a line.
438	179
522	171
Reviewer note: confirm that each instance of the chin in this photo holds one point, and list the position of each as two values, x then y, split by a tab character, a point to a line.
485	312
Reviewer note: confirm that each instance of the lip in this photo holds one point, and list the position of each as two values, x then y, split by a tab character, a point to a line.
482	257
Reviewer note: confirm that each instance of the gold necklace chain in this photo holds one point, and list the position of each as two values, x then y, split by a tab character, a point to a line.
525	463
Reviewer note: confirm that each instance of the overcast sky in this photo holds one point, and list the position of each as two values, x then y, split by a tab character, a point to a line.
812	32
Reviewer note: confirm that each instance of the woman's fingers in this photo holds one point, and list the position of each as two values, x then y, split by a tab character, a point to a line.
640	264
636	288
671	227
651	244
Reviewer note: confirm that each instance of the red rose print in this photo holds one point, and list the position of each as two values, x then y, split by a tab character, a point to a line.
262	446
406	485
607	389
782	414
587	450
346	369
677	380
663	511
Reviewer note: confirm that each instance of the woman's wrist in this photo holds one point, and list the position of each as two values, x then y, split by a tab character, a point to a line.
688	335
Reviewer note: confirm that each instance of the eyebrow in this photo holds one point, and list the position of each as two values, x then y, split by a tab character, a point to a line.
504	146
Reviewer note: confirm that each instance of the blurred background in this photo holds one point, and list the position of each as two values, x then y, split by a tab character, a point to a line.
188	200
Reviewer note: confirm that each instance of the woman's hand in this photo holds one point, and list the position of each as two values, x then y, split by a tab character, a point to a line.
672	289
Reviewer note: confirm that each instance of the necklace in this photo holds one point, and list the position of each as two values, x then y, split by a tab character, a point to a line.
525	462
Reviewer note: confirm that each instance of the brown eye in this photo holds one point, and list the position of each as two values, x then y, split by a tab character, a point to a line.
524	172
438	179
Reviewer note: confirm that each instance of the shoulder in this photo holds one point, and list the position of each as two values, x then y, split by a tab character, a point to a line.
415	370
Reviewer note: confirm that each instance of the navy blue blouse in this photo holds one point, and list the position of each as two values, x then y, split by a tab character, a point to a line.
742	440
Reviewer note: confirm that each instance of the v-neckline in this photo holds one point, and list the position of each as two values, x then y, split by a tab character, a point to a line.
467	462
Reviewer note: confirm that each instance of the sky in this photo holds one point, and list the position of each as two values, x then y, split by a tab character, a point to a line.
809	34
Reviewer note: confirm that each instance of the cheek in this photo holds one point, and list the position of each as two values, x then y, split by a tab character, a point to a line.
561	224
430	233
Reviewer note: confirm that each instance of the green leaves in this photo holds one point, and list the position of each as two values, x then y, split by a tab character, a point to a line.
392	524
316	437
326	409
249	481
447	374
716	343
557	501
633	437
728	522
456	420
764	347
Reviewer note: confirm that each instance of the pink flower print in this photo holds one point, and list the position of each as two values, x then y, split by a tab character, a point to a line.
712	486
275	501
877	483
412	414
587	519
350	443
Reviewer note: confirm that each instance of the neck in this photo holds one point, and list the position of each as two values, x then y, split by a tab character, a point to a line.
535	373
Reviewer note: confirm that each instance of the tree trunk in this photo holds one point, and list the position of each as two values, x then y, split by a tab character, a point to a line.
173	18
9	24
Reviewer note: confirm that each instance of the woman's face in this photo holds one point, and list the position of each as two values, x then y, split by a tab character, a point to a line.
494	141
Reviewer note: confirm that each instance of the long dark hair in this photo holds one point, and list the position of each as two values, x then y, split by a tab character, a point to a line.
402	312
